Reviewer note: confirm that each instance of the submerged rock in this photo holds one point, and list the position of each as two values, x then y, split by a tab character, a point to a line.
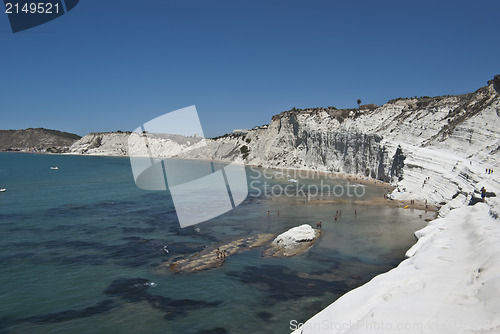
209	258
295	241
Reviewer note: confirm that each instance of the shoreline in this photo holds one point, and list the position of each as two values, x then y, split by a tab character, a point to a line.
387	187
449	277
335	175
395	203
447	283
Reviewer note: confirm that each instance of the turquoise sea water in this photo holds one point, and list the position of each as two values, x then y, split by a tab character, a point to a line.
80	246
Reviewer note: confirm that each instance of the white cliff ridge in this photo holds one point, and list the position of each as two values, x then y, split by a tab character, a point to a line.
392	143
395	142
450	282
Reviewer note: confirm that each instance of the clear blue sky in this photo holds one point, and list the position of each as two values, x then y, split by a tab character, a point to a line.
113	64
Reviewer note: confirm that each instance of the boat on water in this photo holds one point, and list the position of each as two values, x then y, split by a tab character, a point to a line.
54	167
2	190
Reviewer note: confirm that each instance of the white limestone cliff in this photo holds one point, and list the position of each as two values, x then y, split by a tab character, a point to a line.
394	142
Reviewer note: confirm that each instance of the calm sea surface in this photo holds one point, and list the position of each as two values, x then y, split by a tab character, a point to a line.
80	246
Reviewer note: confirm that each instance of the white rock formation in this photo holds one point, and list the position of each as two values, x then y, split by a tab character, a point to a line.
295	241
294	236
109	144
450	284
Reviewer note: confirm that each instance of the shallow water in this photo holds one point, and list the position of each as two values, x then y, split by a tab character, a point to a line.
76	242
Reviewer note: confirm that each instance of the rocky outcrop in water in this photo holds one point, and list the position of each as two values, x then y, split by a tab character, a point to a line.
295	241
215	256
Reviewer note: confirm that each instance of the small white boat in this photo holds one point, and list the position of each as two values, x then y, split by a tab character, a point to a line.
54	167
2	190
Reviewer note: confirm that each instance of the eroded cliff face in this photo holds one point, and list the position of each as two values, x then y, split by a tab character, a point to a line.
395	142
385	143
315	140
108	144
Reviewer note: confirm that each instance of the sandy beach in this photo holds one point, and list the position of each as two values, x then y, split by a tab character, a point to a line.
417	205
386	187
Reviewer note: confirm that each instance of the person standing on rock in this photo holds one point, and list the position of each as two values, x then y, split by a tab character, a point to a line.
483	193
